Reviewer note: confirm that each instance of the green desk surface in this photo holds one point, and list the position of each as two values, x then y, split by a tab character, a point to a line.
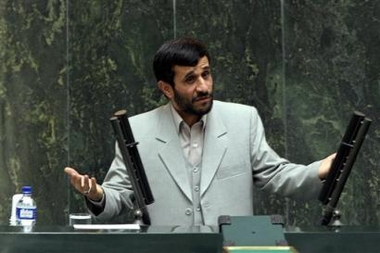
350	239
57	239
64	239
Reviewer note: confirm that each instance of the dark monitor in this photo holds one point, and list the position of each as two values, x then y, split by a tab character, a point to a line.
342	164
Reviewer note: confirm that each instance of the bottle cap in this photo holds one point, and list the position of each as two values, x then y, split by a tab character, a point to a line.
26	189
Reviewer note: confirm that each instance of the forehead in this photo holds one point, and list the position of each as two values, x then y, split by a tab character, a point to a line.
202	64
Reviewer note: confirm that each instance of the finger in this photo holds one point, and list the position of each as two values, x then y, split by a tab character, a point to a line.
77	182
85	181
333	156
86	184
93	185
82	179
70	171
74	176
96	192
89	184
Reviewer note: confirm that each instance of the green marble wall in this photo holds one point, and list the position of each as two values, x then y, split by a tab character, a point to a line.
332	68
33	105
67	65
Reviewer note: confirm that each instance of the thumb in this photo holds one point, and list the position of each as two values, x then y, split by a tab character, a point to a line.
70	171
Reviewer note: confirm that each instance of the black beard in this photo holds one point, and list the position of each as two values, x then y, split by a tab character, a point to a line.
188	107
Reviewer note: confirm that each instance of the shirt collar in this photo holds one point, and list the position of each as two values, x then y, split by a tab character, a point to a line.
178	121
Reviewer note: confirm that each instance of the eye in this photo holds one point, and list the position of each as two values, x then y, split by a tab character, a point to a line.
190	79
206	74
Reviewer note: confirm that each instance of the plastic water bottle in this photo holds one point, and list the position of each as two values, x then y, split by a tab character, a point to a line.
26	209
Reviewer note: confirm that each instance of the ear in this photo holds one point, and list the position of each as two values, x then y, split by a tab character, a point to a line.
166	88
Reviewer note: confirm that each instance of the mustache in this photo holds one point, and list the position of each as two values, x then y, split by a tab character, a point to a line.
201	96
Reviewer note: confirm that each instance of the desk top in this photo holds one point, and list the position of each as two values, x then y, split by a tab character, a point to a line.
176	239
64	239
346	239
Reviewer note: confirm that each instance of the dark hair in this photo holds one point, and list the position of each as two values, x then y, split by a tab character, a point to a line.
184	51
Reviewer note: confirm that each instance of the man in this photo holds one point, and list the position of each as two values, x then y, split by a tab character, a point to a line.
202	157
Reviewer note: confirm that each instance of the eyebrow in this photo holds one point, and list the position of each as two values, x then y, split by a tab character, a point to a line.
192	72
188	74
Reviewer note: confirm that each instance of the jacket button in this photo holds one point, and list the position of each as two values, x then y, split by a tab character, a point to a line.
188	211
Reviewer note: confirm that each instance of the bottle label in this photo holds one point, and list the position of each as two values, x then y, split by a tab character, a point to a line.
26	213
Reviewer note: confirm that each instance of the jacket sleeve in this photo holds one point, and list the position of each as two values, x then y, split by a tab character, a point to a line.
118	204
273	174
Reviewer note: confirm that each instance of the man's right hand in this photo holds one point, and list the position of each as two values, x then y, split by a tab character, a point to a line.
85	185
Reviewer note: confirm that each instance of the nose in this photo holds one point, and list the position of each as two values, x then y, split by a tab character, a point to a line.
202	85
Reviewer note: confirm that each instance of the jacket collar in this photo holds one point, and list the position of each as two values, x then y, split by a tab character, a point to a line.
170	152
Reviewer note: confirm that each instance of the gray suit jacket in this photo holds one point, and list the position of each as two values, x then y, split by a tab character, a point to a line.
236	157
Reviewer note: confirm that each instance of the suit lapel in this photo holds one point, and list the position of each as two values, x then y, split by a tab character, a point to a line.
171	153
215	146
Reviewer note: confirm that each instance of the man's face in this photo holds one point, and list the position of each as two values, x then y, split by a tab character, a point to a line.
193	89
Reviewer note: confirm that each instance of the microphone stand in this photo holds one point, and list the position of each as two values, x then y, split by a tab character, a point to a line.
341	167
135	170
